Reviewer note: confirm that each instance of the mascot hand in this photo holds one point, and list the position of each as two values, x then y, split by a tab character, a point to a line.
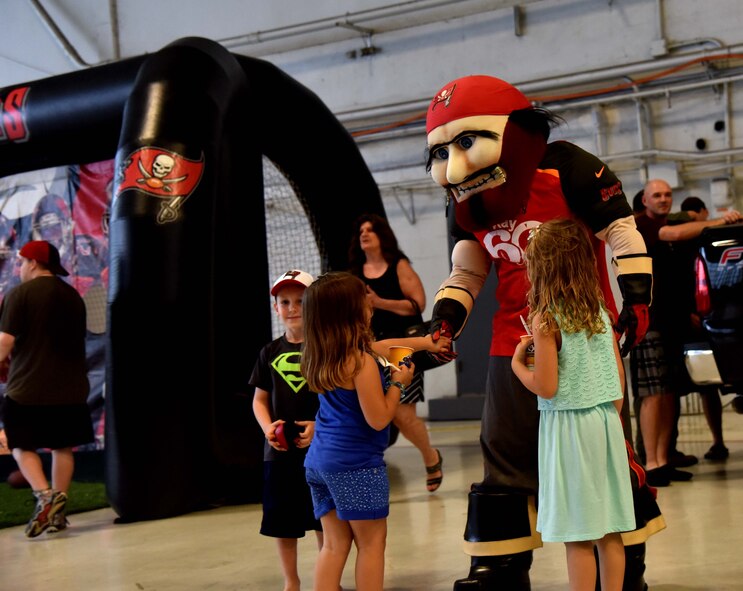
633	323
442	328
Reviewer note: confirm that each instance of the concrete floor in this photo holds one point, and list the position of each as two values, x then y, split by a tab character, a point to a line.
221	549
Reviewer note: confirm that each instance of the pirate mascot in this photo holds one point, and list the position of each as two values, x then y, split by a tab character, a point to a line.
487	146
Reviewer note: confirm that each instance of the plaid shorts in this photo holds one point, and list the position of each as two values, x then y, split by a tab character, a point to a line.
649	366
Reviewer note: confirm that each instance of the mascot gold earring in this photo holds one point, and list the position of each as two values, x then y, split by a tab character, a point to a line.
488	148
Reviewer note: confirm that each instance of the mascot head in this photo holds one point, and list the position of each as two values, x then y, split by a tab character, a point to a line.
485	141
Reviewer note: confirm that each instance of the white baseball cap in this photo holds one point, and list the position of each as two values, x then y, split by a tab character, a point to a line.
293	277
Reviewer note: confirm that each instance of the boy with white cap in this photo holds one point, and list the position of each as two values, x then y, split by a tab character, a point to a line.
285	409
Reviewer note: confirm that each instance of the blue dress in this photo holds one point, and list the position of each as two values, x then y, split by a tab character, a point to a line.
584	480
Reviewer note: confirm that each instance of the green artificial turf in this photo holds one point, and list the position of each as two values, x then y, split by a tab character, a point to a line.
17	504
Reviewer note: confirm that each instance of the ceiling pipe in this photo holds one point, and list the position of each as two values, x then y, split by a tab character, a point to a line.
59	36
548	84
386	18
113	11
414	127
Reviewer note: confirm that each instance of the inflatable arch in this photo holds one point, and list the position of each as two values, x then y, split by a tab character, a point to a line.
188	269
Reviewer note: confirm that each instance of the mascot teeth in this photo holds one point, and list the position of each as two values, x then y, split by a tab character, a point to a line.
494	179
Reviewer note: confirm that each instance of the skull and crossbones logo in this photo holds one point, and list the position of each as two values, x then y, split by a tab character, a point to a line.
162	166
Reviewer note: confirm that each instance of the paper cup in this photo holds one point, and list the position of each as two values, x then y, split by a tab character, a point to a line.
529	350
397	354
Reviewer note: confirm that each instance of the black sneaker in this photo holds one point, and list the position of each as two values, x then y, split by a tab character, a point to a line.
676	475
58	521
657	477
717	452
678	459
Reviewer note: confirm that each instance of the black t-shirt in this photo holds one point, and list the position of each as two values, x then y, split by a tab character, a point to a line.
48	364
673	280
277	372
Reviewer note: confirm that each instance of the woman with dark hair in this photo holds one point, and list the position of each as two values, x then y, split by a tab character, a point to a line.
396	293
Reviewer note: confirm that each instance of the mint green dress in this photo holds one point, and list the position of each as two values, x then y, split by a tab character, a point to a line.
584	480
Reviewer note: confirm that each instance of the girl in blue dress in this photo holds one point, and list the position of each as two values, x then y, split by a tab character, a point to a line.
585	495
345	464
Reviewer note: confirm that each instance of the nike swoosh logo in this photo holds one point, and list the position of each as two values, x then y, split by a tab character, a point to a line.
600	172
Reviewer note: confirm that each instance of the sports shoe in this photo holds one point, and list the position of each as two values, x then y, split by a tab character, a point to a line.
657	477
58	521
679	459
675	475
717	452
40	518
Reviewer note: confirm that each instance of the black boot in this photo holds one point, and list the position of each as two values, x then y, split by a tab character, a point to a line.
497	573
634	568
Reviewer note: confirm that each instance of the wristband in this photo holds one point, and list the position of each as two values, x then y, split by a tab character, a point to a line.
401	387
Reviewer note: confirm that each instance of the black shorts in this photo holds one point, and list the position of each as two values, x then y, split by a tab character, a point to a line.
287	502
55	426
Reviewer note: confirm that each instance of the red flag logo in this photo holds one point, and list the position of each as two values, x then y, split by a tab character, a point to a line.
163	174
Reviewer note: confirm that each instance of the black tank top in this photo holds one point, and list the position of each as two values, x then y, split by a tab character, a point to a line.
387	324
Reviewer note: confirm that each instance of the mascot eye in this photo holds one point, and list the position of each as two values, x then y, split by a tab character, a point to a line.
441	154
466	142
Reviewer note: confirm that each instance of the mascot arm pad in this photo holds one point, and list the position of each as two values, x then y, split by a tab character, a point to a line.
452	304
635	278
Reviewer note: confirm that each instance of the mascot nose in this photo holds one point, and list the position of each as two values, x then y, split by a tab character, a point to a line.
457	168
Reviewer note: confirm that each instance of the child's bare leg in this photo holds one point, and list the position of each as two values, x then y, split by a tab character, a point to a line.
319	536
288	557
581	566
337	538
370	536
611	562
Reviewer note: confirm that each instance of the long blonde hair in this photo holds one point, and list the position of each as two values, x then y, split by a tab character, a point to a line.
561	266
336	330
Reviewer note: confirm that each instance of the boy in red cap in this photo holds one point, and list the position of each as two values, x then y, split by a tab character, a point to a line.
42	325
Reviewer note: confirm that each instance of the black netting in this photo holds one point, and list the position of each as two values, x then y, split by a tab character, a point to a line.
292	239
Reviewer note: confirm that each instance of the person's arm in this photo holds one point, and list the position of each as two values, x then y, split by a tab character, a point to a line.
7	341
379	407
6	346
411	285
262	412
306	434
620	368
634	270
542	380
689	230
456	297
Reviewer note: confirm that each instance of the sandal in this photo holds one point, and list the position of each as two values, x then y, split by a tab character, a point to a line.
433	483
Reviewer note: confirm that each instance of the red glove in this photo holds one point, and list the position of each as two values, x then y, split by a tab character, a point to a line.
633	322
443	330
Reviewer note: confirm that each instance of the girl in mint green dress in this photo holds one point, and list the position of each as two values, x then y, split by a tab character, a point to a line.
585	494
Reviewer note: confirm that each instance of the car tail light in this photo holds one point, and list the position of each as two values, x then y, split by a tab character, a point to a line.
701	292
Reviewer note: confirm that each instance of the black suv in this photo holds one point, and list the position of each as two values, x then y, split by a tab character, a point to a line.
718	359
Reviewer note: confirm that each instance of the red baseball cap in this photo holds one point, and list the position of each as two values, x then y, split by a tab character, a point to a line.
44	253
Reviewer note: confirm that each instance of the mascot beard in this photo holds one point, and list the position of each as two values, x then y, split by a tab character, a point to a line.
507	183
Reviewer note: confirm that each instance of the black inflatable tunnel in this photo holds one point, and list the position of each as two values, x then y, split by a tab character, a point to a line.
187	310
